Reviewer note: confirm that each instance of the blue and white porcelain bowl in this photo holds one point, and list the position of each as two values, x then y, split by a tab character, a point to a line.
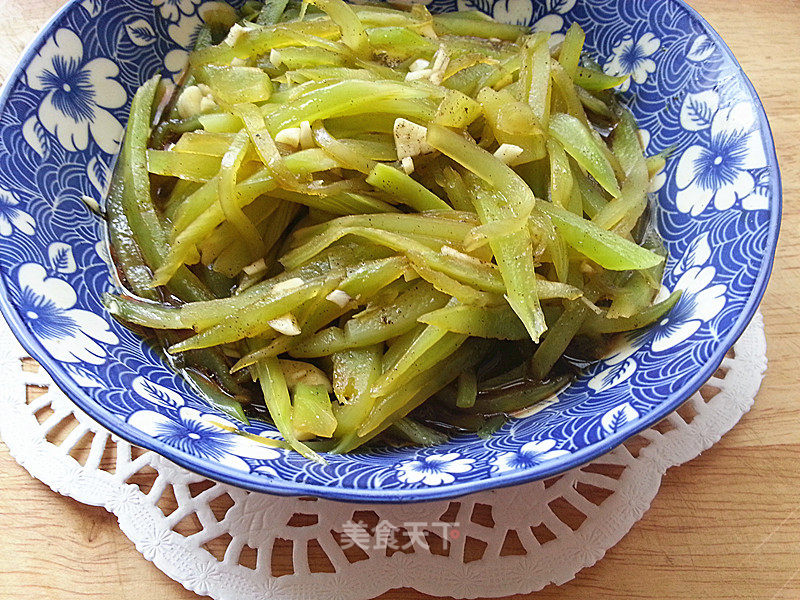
62	115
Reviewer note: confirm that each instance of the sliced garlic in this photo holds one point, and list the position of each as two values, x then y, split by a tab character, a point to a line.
288	285
508	153
189	102
295	371
441	60
287	325
408	165
207	104
235	33
289	136
306	136
452	252
195	100
256	267
92	204
339	297
419	65
410	139
417	75
436	77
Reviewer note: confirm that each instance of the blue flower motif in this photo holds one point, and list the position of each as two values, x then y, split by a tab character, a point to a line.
78	93
48	320
11	217
718	170
529	455
513	11
521	12
204	436
699	303
48	306
434	469
631	57
193	437
172	9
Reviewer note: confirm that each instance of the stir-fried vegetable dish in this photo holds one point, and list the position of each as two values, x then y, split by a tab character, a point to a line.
364	222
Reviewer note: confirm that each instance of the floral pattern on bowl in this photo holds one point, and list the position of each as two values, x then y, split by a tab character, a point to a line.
717	207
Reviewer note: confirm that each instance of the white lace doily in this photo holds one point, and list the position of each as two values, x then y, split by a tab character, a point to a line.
231	544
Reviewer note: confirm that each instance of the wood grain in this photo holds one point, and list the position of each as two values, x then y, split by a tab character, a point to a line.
725	526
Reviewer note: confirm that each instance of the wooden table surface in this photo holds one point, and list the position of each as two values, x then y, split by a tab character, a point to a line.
724	526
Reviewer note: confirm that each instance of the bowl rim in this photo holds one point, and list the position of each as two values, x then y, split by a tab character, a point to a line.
281	487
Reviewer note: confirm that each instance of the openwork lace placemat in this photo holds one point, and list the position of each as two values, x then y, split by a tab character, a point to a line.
231	544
